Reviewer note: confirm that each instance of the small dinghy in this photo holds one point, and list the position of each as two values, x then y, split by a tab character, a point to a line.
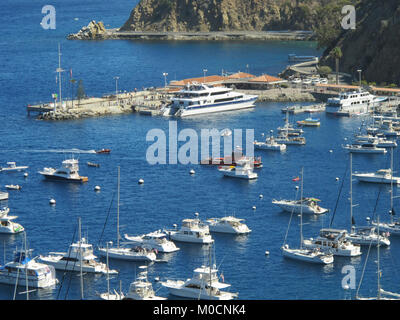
103	151
92	164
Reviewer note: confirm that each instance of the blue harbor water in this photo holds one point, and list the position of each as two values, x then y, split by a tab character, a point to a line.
169	194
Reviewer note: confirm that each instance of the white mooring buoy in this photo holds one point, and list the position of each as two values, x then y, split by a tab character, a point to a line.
192	171
254	207
25	174
52	201
141	181
97	188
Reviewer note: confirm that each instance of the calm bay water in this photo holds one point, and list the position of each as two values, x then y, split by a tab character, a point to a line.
28	61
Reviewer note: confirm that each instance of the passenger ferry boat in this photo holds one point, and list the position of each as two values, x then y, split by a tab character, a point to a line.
69	171
350	103
198	98
24	270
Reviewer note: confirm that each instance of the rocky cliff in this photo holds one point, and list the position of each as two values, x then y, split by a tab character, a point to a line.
225	15
374	45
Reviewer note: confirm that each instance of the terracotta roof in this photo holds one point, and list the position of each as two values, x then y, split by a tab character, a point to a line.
199	80
240	75
338	86
266	78
385	89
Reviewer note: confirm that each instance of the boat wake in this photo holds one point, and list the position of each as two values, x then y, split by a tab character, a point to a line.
74	150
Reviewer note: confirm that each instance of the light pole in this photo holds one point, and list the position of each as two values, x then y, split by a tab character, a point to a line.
116	88
359	75
204	77
165	79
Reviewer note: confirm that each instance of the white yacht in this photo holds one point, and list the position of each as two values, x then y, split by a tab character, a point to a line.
228	225
192	230
3	195
79	252
156	240
204	285
307	205
129	253
378	141
26	271
364	148
286	139
243	169
350	103
333	241
141	288
393	227
270	144
8	226
12	166
366	236
198	98
69	171
380	176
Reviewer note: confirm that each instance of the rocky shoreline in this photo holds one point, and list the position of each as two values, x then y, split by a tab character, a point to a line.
96	31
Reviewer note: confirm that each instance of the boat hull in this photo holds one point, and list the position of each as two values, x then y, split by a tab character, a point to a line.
64	179
11	279
300	255
298	208
249	103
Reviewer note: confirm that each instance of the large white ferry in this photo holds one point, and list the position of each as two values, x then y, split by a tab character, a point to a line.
350	103
198	98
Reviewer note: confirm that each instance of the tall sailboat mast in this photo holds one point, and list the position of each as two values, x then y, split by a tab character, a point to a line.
351	191
80	256
118	209
391	185
301	209
59	70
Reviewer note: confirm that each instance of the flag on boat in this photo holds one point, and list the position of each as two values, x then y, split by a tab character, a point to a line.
296	179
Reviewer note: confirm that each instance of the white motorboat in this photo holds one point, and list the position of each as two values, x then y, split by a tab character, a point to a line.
193	231
198	98
3	195
350	103
333	241
307	205
13	187
366	236
79	256
284	138
303	254
307	255
156	240
242	170
364	148
26	271
380	176
141	288
228	225
12	166
378	141
69	171
204	285
129	253
270	144
362	235
8	226
135	253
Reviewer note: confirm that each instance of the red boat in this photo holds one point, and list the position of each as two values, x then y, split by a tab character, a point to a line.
103	151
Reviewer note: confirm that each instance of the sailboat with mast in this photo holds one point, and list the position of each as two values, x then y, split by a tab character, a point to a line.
307	255
393	227
126	253
362	235
381	294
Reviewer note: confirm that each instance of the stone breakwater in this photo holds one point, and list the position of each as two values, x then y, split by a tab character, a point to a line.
282	95
96	31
